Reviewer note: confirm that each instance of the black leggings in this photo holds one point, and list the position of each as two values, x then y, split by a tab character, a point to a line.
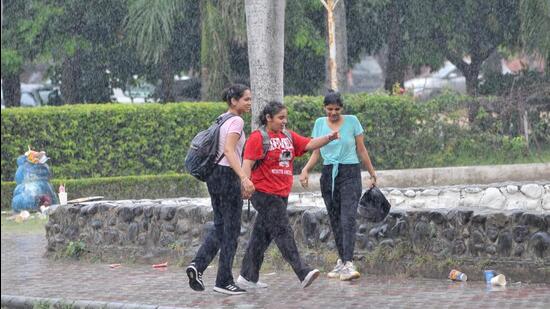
272	223
342	205
224	187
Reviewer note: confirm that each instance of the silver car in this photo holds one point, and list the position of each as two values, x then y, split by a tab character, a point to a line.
448	77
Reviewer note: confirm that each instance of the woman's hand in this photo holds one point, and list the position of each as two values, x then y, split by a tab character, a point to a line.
334	135
247	188
304	177
373	180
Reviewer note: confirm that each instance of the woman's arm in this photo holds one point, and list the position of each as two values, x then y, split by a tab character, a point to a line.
234	162
304	176
247	168
364	156
321	141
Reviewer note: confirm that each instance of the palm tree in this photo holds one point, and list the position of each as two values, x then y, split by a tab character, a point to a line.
150	27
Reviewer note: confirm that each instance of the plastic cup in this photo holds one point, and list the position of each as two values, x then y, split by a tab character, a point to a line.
456	275
498	280
489	274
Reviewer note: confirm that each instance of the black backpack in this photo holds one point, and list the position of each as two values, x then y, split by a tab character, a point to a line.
201	156
266	144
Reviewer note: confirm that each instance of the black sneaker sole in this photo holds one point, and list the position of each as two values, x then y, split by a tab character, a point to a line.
194	283
228	292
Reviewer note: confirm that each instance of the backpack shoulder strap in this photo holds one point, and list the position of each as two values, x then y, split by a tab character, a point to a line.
219	122
265	146
223	118
288	135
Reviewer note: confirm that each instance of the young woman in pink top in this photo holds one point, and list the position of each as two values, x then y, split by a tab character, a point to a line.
224	187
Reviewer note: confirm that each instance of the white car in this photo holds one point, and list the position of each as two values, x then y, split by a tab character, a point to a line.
448	77
140	94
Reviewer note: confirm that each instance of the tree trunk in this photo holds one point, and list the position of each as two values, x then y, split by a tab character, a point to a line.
265	26
70	80
11	86
472	81
395	72
341	41
167	80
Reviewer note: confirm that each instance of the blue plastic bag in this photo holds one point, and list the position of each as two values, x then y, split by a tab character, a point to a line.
33	185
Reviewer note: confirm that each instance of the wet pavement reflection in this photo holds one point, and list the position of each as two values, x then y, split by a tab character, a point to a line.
25	272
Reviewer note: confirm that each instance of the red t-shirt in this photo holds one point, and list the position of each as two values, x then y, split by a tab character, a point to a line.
274	174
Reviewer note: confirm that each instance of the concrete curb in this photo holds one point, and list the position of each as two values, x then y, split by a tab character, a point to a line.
28	302
447	176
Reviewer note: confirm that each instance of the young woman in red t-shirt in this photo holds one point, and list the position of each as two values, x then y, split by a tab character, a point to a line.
272	180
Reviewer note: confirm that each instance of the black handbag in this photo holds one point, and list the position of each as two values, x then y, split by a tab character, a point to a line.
373	205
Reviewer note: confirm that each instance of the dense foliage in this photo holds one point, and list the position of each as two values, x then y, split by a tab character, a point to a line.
123	140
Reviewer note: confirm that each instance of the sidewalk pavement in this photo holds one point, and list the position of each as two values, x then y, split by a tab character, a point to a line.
25	272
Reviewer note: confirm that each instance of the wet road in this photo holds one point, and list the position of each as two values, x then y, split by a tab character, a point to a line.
25	272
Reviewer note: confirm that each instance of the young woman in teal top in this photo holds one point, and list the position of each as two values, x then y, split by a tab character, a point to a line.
341	178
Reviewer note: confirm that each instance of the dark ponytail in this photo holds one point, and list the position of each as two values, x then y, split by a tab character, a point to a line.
235	91
272	108
333	97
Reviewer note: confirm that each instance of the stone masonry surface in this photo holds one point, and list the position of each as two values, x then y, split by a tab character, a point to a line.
144	230
26	272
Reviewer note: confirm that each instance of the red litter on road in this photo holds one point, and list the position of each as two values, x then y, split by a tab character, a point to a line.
161	265
115	265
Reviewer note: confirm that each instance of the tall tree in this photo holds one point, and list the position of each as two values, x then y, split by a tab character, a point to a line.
150	27
265	25
25	28
223	38
535	27
473	29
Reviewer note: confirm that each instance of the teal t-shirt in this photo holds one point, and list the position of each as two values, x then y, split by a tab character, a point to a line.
342	150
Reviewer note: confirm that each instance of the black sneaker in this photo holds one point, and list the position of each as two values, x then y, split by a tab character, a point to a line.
230	289
195	278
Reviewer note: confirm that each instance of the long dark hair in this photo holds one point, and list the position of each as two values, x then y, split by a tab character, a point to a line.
235	91
333	97
272	108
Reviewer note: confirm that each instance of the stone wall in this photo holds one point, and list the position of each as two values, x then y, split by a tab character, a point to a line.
503	196
145	230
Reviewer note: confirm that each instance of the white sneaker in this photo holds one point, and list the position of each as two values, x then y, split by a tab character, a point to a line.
251	285
335	272
311	276
349	272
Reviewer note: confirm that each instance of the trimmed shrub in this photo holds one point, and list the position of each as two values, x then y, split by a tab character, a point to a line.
109	140
117	188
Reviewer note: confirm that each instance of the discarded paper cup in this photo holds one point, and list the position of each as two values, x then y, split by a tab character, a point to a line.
489	274
456	275
499	280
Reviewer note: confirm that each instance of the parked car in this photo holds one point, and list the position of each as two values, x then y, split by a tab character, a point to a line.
447	77
33	95
141	93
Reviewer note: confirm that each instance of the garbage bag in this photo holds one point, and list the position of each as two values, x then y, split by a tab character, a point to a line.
373	205
33	185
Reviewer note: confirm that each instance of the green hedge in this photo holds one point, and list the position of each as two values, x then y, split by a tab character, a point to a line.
119	188
122	140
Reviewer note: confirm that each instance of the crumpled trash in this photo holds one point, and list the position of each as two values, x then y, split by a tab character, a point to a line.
373	205
161	265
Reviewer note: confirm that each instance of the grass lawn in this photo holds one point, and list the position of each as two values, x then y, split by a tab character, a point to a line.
33	225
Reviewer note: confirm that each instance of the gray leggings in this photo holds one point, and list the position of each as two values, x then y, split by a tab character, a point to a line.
342	205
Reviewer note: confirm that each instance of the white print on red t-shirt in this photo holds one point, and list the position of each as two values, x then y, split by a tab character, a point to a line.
285	156
278	143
